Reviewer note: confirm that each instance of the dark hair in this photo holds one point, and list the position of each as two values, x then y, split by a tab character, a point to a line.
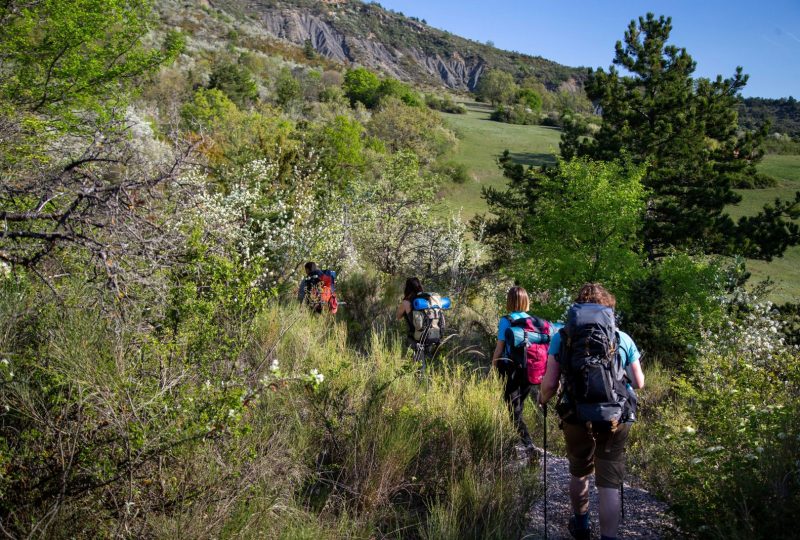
311	266
594	293
413	287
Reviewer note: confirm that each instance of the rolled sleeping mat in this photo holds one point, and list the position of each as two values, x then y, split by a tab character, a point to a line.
520	335
421	303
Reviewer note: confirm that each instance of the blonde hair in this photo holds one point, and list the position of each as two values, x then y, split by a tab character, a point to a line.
517	299
594	293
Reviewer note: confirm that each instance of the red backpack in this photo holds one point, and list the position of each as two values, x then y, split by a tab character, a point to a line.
321	288
527	341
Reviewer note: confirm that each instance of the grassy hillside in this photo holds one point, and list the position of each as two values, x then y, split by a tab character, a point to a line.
784	271
481	141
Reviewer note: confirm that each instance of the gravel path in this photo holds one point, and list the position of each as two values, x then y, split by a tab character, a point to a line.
645	516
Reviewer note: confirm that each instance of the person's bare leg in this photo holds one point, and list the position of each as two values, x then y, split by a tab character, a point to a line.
579	494
609	511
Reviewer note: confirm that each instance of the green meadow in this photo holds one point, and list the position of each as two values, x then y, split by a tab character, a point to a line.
482	140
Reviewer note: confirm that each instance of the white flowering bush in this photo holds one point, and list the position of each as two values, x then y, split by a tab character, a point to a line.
398	228
752	333
274	218
730	437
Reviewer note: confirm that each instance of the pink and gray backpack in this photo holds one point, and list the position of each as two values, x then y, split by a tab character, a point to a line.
527	341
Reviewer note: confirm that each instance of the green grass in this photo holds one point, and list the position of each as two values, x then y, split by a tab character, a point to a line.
481	141
783	271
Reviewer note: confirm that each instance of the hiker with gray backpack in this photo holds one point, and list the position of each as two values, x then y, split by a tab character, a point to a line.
520	357
598	366
423	313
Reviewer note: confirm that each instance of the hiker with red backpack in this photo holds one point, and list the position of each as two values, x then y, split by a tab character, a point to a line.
520	357
318	289
597	365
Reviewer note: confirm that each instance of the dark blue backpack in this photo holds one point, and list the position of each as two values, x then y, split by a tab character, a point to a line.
594	378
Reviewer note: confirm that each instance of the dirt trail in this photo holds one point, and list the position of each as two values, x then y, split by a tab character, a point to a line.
645	516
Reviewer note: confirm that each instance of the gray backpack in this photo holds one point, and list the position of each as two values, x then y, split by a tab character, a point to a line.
594	379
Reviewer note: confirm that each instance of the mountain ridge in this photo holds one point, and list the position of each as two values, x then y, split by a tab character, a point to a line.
357	33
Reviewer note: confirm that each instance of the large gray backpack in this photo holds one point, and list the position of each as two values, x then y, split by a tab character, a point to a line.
594	380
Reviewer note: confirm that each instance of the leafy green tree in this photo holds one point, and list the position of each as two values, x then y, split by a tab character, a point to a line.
59	59
287	88
411	128
530	98
308	49
585	227
361	85
341	144
232	136
393	88
66	74
206	109
686	131
496	87
236	81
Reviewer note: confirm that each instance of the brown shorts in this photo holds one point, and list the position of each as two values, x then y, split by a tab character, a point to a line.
602	453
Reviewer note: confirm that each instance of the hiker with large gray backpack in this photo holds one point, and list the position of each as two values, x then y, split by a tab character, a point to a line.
520	357
597	365
423	313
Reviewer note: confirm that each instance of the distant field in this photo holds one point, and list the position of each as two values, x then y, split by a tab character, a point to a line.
785	272
481	141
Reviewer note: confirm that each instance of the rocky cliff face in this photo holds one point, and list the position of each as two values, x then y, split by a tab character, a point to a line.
402	62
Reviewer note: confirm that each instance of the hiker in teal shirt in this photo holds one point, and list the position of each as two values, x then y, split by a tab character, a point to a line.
591	450
519	380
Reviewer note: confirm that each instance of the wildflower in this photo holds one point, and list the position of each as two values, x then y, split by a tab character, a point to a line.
274	366
5	362
690	430
316	376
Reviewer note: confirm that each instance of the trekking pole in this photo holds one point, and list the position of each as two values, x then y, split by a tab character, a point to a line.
622	499
544	468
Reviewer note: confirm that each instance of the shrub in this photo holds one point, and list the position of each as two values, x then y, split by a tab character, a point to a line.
411	128
516	114
728	464
456	172
236	82
444	103
678	298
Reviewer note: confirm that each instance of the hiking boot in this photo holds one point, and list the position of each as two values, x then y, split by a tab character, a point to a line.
578	534
533	451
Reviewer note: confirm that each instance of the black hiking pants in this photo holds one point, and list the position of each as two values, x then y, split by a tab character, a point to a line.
516	392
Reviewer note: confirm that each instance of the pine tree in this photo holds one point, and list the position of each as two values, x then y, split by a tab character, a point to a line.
686	130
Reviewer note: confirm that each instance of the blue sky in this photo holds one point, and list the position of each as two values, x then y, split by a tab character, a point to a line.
763	36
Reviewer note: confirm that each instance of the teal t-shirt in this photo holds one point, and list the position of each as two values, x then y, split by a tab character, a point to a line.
504	323
627	348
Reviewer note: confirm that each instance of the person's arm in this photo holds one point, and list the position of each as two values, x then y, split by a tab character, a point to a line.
498	351
637	379
301	291
402	309
633	369
549	385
